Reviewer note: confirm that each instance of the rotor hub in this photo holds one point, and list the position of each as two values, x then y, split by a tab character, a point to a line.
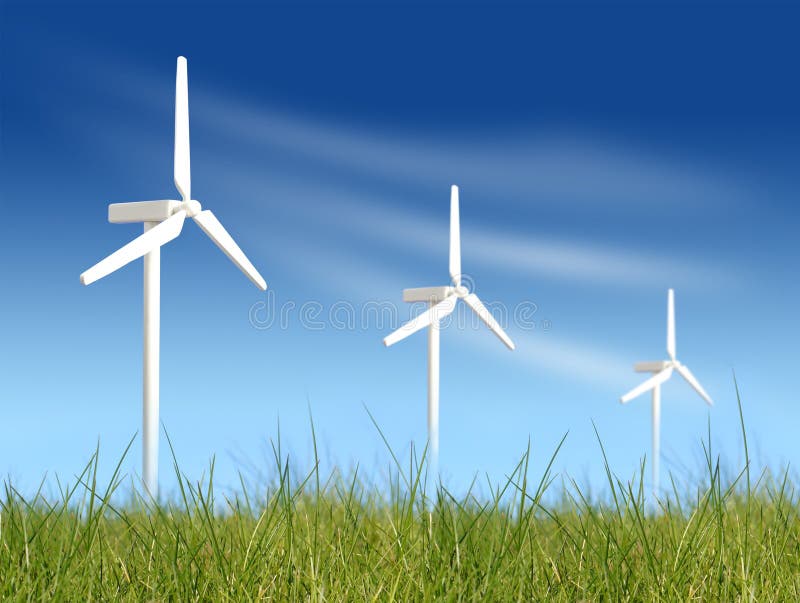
192	208
461	291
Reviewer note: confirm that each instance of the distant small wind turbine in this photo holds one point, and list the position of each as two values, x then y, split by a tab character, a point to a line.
663	371
442	302
163	221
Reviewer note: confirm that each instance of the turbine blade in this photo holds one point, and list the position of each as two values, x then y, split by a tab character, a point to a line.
483	313
141	245
217	233
687	374
651	383
671	324
455	237
182	172
428	317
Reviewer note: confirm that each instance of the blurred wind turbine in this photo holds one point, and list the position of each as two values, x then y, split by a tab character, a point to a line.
163	221
442	302
661	372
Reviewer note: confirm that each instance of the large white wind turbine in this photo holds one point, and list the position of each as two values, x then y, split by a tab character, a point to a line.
163	221
442	302
662	371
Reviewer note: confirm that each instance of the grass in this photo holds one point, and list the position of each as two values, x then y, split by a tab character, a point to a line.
337	539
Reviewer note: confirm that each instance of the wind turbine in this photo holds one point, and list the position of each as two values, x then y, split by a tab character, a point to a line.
442	302
661	372
163	221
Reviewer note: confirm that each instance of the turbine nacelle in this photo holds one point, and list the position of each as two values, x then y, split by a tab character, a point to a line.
434	294
427	294
150	211
655	367
651	367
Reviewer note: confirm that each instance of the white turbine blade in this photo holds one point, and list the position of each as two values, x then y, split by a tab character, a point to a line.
182	172
428	317
141	245
687	374
455	237
671	324
217	233
652	382
486	316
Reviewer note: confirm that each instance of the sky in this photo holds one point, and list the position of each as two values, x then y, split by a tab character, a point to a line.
604	153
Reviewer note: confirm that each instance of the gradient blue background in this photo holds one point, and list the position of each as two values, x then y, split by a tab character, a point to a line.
604	154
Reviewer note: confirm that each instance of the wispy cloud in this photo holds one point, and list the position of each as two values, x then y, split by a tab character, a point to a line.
347	216
561	357
534	254
529	168
534	167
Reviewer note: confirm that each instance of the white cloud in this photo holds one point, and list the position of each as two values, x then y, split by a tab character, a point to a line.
565	358
530	168
535	254
541	166
537	167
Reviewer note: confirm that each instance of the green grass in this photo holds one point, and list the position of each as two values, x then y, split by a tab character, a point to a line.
337	539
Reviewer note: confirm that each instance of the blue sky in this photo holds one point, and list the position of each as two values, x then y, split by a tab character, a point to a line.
604	154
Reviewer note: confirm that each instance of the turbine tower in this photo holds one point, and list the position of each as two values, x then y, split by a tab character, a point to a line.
442	302
661	372
163	221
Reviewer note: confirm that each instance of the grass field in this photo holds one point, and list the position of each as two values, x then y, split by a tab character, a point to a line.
335	539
